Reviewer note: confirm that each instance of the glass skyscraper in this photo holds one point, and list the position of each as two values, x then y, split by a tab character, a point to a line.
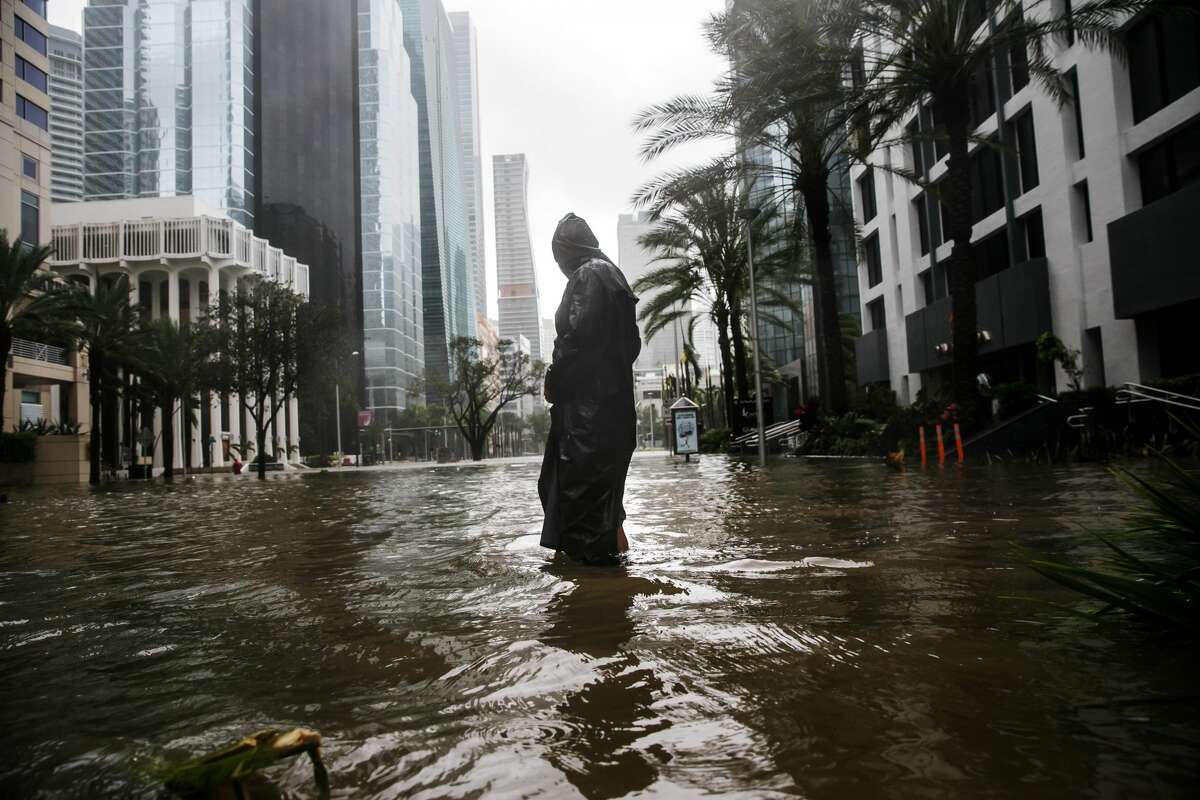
169	101
466	65
391	207
447	265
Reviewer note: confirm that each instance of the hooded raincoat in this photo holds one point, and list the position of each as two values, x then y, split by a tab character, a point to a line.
593	427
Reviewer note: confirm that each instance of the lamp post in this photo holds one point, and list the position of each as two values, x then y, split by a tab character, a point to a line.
748	214
337	394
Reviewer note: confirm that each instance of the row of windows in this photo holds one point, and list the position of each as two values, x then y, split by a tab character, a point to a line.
32	112
37	5
32	75
29	34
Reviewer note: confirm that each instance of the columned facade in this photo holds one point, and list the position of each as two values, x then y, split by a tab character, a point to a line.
178	257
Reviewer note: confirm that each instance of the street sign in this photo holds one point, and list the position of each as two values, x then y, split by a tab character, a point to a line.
365	418
685	416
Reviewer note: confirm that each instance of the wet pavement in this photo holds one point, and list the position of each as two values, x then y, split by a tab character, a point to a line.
821	630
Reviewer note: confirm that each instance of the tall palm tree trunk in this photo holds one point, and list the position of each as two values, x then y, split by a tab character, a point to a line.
731	419
260	433
96	401
6	341
168	439
961	268
815	190
741	370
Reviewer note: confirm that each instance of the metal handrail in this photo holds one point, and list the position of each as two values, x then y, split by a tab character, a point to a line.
39	351
776	431
1138	393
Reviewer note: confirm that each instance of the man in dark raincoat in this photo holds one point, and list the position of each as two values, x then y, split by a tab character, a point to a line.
593	422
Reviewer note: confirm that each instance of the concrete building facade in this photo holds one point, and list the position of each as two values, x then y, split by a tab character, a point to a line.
393	326
1079	219
516	277
466	66
66	115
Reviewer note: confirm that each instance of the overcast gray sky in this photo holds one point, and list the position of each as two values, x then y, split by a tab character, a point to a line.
560	81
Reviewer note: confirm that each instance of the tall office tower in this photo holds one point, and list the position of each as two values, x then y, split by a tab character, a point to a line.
306	88
394	339
169	101
635	261
515	273
548	336
447	267
466	65
66	115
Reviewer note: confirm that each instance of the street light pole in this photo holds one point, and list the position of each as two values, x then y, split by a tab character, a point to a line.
748	214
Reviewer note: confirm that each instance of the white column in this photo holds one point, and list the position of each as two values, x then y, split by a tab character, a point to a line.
156	311
194	297
214	286
173	295
134	289
294	424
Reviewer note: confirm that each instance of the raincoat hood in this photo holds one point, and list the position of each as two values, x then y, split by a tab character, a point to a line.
574	243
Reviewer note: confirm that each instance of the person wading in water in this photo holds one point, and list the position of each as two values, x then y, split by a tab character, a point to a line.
593	422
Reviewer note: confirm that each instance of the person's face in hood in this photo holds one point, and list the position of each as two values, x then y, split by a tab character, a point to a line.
574	243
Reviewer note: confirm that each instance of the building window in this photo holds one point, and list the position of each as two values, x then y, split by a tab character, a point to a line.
29	34
875	314
1170	165
922	206
987	190
1077	108
933	283
920	167
866	194
1035	235
991	254
31	218
874	261
32	112
1085	207
37	5
31	74
1018	58
982	94
29	166
1164	60
1021	132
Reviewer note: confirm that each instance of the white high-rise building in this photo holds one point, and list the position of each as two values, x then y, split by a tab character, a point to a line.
635	261
1080	221
515	273
66	115
466	70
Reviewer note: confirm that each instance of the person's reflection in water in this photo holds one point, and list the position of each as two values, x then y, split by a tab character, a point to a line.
608	715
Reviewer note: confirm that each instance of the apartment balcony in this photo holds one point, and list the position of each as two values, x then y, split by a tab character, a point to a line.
143	242
1153	257
1012	308
871	357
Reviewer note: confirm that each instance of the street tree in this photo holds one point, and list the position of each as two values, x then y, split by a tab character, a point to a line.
481	385
257	351
32	301
177	364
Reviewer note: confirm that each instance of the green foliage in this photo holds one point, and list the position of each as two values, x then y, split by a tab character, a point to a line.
43	427
1184	384
1051	350
1151	572
1015	398
714	440
211	772
850	434
18	448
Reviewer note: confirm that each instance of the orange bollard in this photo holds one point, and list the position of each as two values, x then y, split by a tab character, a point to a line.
958	442
941	445
921	433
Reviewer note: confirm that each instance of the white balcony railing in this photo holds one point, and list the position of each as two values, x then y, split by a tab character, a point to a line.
144	240
38	351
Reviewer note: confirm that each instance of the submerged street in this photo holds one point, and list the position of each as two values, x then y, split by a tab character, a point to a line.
821	630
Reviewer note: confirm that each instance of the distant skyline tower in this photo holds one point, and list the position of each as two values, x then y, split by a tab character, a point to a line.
169	100
516	277
66	115
394	339
635	261
447	267
466	65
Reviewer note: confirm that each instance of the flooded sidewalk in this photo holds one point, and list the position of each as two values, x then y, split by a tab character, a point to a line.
822	630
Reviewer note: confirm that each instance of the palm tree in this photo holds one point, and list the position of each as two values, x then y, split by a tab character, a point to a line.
786	97
177	363
700	243
107	328
32	302
932	52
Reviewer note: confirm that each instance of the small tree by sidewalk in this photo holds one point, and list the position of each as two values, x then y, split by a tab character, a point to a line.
481	386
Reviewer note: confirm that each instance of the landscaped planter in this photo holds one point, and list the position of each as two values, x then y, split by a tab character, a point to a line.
60	459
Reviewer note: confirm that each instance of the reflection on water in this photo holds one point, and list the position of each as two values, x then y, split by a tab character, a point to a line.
815	630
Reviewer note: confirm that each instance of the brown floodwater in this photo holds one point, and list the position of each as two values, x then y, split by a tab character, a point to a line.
825	630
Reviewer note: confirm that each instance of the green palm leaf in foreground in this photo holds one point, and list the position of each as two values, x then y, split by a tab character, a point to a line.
240	759
1161	584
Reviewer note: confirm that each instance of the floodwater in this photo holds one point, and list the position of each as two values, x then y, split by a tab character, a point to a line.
818	630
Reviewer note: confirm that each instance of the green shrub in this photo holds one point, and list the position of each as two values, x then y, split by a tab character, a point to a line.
1184	384
1015	398
18	448
714	441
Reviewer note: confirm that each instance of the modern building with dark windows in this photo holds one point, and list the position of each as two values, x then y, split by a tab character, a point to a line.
520	313
66	115
447	265
169	101
1080	221
394	356
25	123
466	66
